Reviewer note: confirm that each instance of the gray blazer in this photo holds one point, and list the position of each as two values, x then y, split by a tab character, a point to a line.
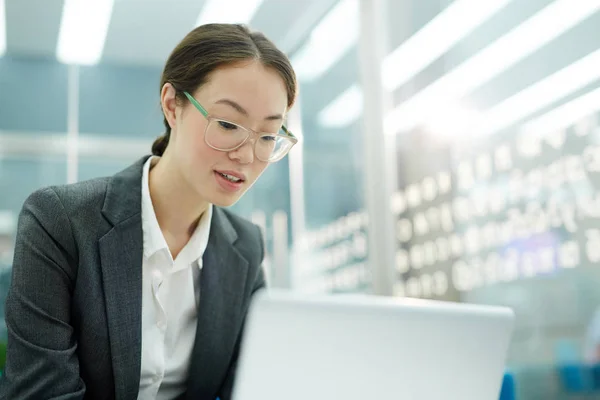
74	305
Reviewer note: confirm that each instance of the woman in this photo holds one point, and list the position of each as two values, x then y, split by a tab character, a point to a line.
137	285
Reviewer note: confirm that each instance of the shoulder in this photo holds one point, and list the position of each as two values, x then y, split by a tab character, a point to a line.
86	199
63	211
70	198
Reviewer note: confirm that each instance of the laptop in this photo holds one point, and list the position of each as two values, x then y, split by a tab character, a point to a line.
299	347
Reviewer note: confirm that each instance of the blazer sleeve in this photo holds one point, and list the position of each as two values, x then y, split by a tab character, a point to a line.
41	360
259	283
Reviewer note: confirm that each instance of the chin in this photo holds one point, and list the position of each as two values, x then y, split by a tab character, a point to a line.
224	203
221	200
217	196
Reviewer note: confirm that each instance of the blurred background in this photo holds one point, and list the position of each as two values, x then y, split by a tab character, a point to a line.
449	150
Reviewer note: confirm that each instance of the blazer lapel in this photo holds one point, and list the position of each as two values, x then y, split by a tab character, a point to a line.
222	286
121	253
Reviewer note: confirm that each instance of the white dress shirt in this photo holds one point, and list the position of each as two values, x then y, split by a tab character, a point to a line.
169	303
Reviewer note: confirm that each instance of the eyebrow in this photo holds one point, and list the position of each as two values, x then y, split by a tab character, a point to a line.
241	110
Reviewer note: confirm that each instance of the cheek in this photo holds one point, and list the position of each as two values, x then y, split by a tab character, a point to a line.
192	126
203	156
195	150
258	168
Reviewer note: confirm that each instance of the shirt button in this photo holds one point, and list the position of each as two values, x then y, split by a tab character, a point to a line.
157	377
161	325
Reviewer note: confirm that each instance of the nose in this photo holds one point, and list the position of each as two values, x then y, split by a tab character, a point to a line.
243	154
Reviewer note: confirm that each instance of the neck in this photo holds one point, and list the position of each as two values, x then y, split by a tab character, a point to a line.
178	209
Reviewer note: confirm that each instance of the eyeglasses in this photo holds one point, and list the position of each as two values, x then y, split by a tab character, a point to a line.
224	135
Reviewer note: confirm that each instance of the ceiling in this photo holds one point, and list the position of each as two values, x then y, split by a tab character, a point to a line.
568	38
151	27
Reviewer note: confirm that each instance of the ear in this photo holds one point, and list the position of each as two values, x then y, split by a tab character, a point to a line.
168	102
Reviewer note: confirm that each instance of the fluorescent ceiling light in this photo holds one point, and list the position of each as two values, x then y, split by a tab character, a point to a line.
329	41
83	30
565	115
228	11
528	37
2	28
344	110
541	94
446	29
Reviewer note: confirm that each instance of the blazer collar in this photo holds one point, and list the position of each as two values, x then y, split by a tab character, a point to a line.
124	193
223	284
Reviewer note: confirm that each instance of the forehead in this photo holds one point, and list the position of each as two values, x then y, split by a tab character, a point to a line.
259	89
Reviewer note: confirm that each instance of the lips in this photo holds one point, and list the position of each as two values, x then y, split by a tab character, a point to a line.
230	181
232	176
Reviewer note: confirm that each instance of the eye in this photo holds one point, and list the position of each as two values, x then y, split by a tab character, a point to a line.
227	125
268	138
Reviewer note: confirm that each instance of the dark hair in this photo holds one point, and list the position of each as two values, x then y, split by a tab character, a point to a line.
211	46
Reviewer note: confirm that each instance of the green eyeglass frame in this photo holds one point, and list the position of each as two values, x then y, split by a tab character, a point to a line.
286	132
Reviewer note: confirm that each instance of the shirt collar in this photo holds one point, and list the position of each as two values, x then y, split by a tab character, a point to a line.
154	241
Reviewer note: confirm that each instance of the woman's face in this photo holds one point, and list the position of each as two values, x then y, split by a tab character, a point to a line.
247	94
